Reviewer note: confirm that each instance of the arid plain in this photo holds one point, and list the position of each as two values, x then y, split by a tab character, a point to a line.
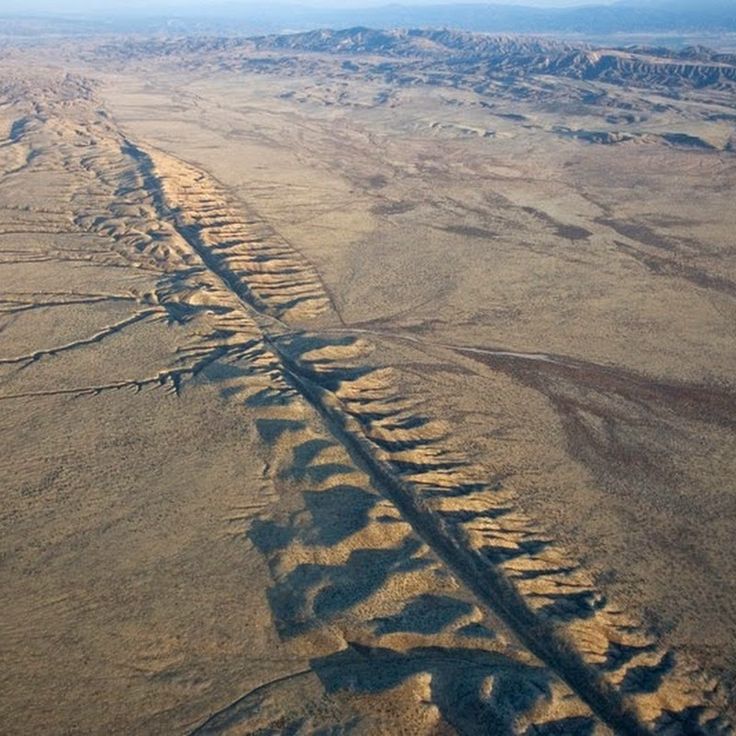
369	383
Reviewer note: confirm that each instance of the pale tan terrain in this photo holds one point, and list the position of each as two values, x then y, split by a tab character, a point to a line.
333	405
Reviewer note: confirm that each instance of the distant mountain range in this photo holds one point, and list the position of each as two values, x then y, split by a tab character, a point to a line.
457	59
629	16
697	66
624	16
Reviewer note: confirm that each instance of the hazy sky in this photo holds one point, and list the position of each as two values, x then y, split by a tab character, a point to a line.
172	5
